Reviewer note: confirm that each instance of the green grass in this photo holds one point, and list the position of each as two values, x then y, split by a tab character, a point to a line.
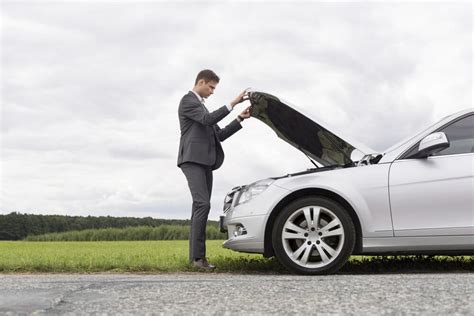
118	256
172	256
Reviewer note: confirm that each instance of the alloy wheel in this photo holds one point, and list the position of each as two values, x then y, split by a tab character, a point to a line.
312	236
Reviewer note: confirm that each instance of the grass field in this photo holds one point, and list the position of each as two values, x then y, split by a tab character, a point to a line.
118	256
172	256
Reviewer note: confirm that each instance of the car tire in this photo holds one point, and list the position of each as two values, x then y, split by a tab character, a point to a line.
323	246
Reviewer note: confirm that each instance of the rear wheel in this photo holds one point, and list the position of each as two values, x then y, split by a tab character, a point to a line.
313	235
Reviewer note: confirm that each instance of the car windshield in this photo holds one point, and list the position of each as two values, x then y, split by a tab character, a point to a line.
421	131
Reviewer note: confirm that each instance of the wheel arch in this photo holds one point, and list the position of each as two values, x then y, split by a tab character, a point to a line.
268	246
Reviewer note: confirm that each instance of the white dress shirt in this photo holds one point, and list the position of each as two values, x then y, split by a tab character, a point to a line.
202	100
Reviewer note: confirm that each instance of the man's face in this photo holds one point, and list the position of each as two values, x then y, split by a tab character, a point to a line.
206	88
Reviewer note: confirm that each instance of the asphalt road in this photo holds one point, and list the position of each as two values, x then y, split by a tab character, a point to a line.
229	294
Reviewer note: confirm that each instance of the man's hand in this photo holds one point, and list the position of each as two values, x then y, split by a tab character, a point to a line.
244	115
240	98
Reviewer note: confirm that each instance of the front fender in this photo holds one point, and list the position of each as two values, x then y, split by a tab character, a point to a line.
365	189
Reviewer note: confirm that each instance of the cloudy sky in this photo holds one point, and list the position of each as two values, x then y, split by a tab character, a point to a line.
90	90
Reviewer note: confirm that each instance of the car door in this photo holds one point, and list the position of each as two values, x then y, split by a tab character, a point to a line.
434	196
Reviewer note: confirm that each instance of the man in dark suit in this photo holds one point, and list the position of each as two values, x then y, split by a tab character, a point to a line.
200	152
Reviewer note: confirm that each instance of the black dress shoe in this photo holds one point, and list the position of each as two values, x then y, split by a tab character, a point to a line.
203	264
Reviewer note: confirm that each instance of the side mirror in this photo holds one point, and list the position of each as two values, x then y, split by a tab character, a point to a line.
432	144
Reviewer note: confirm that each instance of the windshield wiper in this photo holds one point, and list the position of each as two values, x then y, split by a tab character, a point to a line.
370	159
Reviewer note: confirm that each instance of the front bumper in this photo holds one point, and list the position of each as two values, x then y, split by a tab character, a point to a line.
252	240
245	223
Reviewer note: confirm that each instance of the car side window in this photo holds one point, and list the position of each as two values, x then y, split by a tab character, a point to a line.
460	135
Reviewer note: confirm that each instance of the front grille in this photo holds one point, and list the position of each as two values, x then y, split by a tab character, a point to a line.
229	198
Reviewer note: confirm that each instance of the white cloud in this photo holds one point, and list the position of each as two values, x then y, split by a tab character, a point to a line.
90	90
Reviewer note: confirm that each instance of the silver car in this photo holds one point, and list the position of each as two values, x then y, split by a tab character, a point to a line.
414	198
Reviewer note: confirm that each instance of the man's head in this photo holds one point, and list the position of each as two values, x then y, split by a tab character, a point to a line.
206	82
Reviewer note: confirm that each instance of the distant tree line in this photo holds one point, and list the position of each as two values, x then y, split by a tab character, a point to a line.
16	226
162	232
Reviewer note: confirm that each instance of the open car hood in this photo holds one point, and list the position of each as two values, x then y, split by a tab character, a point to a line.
299	131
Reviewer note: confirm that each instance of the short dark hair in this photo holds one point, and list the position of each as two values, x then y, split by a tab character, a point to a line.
207	75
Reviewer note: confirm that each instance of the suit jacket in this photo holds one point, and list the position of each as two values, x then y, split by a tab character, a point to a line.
200	134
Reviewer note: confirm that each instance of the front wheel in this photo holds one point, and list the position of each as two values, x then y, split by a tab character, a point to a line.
313	235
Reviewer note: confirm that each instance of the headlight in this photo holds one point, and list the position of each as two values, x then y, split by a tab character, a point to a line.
250	191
